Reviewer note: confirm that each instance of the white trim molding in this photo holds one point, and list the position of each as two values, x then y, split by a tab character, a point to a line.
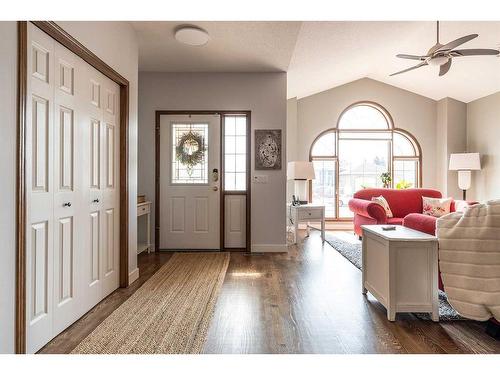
274	248
133	276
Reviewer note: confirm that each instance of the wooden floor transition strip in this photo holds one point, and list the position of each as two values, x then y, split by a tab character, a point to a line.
169	314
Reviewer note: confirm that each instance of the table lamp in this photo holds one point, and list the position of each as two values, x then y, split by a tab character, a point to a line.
301	172
464	163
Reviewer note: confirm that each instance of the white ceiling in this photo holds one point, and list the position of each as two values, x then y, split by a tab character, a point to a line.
233	47
322	55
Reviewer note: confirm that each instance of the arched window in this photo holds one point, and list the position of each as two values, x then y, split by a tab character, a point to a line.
354	155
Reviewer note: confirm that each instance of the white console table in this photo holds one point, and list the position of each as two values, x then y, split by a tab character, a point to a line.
400	269
307	213
144	209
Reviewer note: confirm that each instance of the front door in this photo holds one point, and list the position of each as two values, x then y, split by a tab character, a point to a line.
189	182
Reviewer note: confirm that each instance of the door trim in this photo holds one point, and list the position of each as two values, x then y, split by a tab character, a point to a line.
65	39
222	193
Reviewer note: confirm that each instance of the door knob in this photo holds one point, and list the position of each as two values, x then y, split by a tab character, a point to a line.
67	204
215	188
95	200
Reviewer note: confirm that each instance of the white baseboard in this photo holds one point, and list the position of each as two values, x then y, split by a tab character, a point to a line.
133	276
262	248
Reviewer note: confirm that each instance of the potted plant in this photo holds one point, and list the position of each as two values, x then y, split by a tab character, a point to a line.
404	185
386	179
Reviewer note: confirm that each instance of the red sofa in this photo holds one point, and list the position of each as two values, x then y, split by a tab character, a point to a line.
402	203
406	206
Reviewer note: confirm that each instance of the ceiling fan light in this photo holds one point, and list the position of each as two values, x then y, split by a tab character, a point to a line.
438	60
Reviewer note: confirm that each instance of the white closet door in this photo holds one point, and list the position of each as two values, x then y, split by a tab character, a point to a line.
39	189
91	127
72	180
67	189
110	214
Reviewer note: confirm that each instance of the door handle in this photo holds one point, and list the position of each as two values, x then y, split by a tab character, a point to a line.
67	204
215	188
95	200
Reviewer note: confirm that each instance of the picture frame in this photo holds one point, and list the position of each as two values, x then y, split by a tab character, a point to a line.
268	150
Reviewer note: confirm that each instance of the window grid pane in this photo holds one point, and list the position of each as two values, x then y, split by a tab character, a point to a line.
235	153
182	173
405	173
323	186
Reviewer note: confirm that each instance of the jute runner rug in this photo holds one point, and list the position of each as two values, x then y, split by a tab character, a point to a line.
169	314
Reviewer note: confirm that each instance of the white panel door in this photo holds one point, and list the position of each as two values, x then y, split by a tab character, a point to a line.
110	161
39	190
99	137
189	193
67	189
72	180
235	221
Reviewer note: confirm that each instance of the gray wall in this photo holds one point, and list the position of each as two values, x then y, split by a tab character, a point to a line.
483	136
451	136
116	44
262	93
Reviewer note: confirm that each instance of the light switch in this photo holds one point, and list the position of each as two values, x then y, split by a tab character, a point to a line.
260	179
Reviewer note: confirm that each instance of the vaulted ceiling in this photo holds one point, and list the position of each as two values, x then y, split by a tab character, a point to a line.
322	55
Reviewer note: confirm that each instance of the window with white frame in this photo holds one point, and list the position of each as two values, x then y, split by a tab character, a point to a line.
353	156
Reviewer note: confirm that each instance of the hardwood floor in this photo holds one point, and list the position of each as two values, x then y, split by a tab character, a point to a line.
306	301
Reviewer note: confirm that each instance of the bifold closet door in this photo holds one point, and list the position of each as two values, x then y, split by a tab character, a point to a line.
100	126
66	168
40	243
72	158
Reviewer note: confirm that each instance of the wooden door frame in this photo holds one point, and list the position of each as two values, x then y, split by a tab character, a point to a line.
222	192
65	39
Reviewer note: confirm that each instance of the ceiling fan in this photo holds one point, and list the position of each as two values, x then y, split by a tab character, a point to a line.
441	55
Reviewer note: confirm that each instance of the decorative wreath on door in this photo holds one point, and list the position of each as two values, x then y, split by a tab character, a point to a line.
190	150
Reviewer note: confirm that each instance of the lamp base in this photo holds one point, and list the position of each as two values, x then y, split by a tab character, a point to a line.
464	194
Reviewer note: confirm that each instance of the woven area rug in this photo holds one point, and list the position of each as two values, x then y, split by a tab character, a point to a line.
352	252
169	314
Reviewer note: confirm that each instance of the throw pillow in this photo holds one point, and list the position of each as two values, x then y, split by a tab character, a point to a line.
436	207
381	200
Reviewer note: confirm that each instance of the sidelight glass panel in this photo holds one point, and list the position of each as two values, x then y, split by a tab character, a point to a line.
323	186
405	174
235	153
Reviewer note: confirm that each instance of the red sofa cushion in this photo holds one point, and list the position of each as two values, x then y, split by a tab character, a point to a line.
395	220
421	222
401	202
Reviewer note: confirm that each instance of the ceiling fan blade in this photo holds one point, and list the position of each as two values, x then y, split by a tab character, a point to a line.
407	70
455	43
411	57
474	52
443	69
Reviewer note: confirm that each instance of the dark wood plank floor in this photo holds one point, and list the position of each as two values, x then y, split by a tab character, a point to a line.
306	301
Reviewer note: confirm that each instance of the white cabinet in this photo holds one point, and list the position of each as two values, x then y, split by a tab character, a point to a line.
72	196
144	240
400	269
307	213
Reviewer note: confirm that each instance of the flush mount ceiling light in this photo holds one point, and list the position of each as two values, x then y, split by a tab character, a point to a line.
191	35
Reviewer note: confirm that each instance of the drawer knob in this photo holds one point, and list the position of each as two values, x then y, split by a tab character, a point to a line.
96	200
67	204
309	213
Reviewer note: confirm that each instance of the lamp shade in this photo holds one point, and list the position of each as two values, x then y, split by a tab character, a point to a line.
465	162
300	170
